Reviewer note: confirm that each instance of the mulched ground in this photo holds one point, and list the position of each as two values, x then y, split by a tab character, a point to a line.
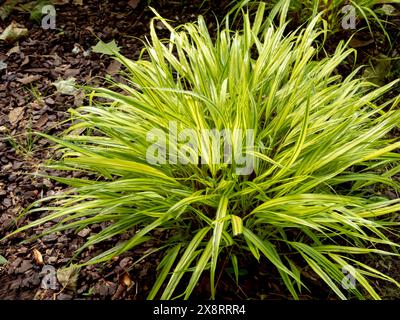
29	102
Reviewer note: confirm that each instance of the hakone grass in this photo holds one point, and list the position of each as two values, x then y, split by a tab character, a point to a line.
374	14
322	151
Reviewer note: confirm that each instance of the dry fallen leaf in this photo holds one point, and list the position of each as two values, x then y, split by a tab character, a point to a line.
109	48
3	65
126	280
68	277
3	260
26	61
66	86
13	50
15	115
13	32
38	257
388	9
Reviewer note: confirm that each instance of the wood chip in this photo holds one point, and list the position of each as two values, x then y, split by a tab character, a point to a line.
357	43
84	232
42	121
114	68
133	3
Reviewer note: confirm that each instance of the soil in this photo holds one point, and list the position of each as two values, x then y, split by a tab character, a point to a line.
29	102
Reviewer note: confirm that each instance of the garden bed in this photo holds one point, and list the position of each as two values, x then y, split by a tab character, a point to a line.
29	102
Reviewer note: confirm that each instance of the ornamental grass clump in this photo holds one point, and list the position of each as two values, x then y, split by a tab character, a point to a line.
241	146
339	14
